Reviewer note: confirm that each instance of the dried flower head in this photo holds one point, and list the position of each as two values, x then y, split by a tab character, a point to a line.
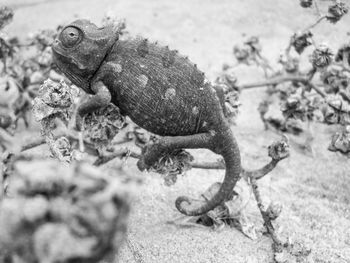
64	148
172	164
306	3
340	141
6	49
336	12
55	99
119	25
274	210
101	126
6	15
232	105
301	40
321	57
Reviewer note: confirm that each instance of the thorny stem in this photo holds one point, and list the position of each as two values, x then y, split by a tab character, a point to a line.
255	174
34	143
322	17
276	81
260	173
120	153
273	81
267	220
42	140
125	152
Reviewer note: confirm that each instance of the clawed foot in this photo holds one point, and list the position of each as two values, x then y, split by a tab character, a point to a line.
150	155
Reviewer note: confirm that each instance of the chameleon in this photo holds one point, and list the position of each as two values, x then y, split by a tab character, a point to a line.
159	89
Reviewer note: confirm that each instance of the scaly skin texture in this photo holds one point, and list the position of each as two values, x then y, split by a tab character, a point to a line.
158	89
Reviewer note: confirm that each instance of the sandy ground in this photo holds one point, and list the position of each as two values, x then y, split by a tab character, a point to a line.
314	190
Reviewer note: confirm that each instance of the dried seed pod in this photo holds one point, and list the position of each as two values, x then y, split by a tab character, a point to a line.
334	79
232	104
306	3
343	54
321	57
227	80
5	121
336	12
9	90
290	64
340	141
254	43
279	150
336	110
301	40
274	210
294	108
241	52
43	38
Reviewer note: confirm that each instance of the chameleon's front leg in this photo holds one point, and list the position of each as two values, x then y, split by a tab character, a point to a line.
152	152
100	99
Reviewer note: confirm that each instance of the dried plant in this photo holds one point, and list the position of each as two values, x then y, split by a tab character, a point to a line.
84	208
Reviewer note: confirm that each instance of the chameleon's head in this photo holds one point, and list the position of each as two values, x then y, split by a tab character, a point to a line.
80	48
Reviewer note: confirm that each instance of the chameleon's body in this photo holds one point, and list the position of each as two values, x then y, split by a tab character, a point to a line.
158	89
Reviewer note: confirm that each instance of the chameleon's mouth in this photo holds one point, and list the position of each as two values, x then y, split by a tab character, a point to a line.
64	64
58	53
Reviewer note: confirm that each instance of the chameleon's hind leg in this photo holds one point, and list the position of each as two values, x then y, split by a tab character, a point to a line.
152	152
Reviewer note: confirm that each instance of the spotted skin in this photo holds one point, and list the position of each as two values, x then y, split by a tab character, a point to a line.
160	90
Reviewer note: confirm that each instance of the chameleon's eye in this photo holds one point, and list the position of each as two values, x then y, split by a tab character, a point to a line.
70	36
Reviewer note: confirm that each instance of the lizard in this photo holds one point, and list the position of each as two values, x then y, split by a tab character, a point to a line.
159	89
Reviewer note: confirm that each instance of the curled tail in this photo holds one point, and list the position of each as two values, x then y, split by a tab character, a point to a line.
228	148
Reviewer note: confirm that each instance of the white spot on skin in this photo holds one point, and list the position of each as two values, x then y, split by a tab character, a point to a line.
212	133
195	110
212	90
206	81
170	93
116	67
143	79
